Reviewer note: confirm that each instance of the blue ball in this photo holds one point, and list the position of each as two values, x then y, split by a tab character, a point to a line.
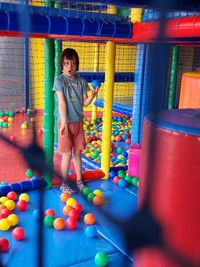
91	231
122	183
37	214
95	83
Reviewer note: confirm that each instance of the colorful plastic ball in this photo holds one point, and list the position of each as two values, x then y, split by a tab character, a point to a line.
18	233
48	221
13	219
22	205
98	192
24	126
4	224
95	84
112	174
64	196
50	212
12	195
89	219
101	259
116	180
98	200
135	181
90	197
86	190
13	138
4	244
59	223
122	183
91	231
37	214
71	223
4	213
73	213
128	179
128	141
24	197
66	210
29	173
78	207
10	204
71	201
3	199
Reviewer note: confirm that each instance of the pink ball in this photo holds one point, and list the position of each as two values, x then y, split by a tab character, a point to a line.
22	205
4	244
18	233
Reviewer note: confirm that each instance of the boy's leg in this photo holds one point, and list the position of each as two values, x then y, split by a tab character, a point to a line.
78	168
66	186
66	157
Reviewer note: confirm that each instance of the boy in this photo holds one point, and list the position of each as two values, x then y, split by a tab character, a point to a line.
72	97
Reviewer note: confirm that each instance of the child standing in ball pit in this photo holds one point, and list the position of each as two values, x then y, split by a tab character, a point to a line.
72	97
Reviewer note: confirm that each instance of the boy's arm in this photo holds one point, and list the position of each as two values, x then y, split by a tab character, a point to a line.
62	107
88	99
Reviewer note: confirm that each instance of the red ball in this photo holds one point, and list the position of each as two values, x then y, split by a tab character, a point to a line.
73	213
128	141
50	212
116	179
5	213
18	233
12	195
4	244
78	207
22	205
71	223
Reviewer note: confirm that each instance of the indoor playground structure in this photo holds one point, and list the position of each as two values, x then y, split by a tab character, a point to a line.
141	163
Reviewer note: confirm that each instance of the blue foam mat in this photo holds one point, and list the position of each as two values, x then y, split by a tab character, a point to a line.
66	247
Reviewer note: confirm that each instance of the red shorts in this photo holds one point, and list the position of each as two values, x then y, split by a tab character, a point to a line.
75	138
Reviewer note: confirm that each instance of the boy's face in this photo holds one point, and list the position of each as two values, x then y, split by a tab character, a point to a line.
69	67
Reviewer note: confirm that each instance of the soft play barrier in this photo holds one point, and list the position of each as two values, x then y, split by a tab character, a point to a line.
170	166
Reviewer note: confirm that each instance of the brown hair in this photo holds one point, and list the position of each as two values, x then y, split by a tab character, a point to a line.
69	53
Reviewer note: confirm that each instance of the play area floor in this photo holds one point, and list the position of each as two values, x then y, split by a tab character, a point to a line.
48	247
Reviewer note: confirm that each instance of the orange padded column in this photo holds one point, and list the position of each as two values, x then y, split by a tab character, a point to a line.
190	90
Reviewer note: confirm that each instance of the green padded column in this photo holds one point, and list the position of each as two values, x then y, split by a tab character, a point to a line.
173	74
48	105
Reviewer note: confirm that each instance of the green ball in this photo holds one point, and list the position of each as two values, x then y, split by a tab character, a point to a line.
128	179
29	173
90	197
2	113
5	125
86	190
11	113
101	259
135	181
48	221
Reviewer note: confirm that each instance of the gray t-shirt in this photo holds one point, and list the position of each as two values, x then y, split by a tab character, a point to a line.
73	89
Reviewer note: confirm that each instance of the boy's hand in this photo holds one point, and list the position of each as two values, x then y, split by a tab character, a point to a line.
64	129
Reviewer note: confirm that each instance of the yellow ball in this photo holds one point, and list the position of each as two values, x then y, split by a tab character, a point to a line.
71	201
3	199
24	126
13	219
4	224
10	119
98	192
10	204
24	196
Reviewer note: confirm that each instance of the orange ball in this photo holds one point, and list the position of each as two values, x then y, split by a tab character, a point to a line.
64	196
89	218
59	223
98	200
66	210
